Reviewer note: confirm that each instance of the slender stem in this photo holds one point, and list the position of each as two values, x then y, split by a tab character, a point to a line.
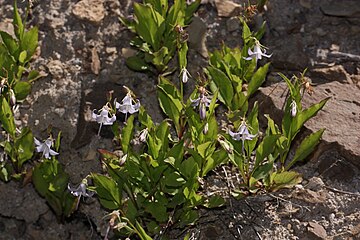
99	129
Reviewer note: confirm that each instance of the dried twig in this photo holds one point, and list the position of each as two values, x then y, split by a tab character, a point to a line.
284	200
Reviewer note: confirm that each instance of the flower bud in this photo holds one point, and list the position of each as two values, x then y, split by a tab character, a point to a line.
206	128
293	109
12	98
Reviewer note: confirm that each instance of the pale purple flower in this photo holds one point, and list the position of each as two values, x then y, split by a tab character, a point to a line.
103	117
242	134
293	109
80	191
203	101
257	53
45	148
128	104
185	75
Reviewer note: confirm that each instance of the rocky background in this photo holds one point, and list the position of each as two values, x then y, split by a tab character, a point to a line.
82	50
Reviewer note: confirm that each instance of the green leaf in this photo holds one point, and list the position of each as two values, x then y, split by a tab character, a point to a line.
262	171
6	117
148	24
161	6
190	10
223	83
108	191
158	58
22	90
174	179
34	75
246	34
141	232
24	145
188	217
257	79
9	42
17	22
302	117
144	118
182	53
137	64
189	168
202	149
176	154
157	210
265	148
286	179
170	101
22	56
306	147
214	201
127	134
176	15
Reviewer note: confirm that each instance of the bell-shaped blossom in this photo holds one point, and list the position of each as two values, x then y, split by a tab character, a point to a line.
80	191
103	117
203	101
185	75
257	53
242	134
293	109
128	104
45	148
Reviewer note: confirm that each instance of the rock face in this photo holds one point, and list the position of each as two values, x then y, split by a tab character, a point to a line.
91	10
340	116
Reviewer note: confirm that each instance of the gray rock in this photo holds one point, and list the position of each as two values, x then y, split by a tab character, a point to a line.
333	73
317	231
340	116
22	204
90	10
197	36
345	8
233	24
227	8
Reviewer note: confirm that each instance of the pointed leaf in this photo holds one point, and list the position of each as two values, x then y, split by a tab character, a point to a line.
7	117
302	117
265	148
127	134
18	24
29	42
223	83
108	191
25	146
9	42
257	79
306	147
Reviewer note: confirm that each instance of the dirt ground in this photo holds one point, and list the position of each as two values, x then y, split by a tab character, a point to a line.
83	55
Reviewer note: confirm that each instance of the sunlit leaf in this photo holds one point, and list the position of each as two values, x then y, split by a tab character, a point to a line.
257	79
108	191
22	90
306	147
7	117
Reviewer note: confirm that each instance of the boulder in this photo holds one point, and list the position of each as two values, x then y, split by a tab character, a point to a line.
340	116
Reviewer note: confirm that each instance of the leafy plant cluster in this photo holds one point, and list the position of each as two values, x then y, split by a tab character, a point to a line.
159	183
17	146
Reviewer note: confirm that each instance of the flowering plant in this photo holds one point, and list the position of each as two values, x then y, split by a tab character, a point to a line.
160	34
